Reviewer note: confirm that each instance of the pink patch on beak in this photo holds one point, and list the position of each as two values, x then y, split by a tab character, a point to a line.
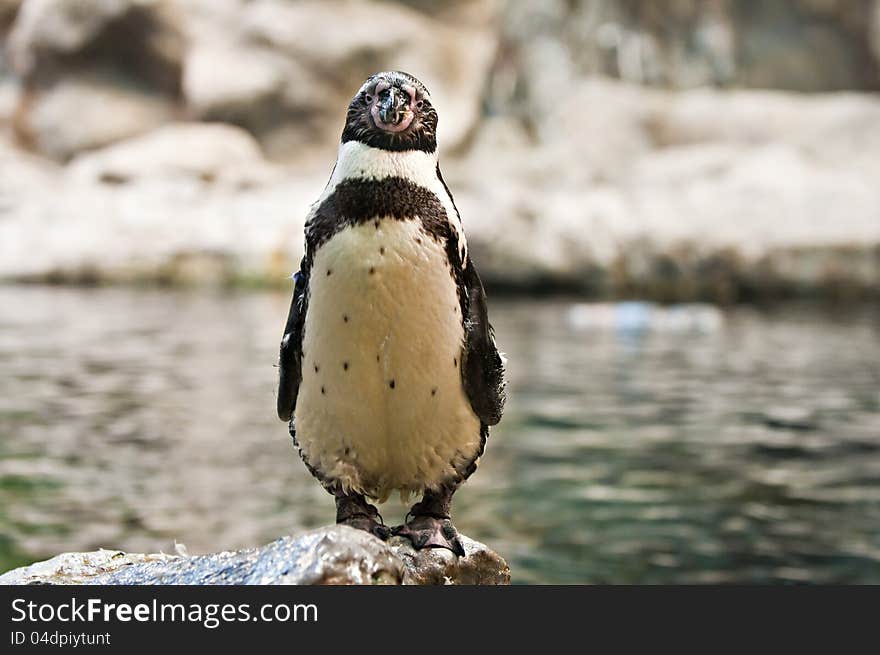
408	116
390	127
411	91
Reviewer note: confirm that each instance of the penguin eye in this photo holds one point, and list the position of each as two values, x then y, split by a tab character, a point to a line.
419	104
368	98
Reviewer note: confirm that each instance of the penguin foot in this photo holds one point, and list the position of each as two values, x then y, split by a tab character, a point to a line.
426	531
368	524
354	511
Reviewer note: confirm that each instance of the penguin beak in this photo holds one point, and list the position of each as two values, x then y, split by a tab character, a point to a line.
392	107
392	111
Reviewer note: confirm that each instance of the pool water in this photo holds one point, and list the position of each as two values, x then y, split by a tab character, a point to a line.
640	444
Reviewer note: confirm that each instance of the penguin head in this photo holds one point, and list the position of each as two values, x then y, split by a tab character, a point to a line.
392	111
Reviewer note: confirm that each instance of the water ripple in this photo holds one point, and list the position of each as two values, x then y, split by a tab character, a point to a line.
738	446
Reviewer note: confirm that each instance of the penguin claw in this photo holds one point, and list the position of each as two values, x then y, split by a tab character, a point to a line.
431	532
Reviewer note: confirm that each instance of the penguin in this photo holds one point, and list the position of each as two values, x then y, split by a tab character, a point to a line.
389	373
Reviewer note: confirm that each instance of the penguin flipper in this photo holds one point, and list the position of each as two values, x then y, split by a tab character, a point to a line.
290	358
482	370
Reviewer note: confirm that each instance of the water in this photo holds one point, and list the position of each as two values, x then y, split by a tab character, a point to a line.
744	448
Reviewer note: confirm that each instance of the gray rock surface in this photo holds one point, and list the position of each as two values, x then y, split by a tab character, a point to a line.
803	45
139	40
563	178
330	555
283	70
287	70
84	112
92	72
207	152
678	195
776	193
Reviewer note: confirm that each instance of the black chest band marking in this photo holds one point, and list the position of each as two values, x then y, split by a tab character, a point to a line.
355	201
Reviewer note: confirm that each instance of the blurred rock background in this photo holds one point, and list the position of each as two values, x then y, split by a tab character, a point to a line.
718	149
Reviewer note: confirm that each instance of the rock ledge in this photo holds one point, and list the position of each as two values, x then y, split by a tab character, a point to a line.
329	555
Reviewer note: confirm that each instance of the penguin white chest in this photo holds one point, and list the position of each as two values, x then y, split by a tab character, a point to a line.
381	405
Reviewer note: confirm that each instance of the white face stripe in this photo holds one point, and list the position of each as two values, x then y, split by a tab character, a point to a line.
358	160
